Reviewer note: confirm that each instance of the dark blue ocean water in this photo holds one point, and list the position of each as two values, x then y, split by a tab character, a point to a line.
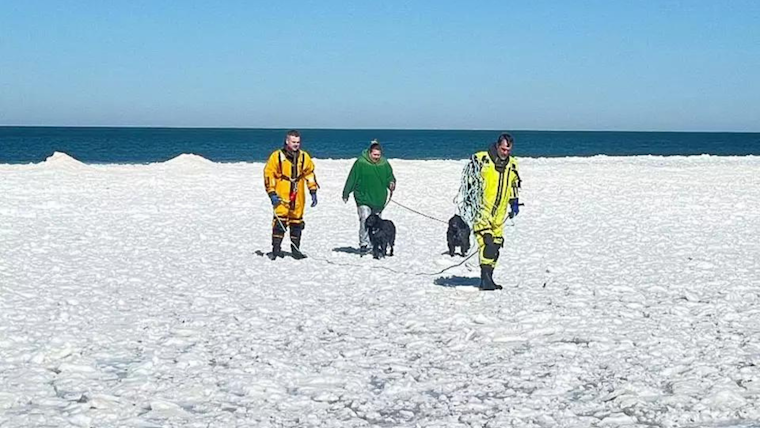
143	145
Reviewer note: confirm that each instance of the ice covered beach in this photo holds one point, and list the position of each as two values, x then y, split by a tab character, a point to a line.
135	295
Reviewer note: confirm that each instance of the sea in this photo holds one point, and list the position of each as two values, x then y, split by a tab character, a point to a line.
104	145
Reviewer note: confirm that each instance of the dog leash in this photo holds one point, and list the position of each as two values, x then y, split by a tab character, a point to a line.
390	199
328	261
417	212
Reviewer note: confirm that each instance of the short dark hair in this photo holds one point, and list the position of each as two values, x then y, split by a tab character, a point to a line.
505	137
292	133
375	145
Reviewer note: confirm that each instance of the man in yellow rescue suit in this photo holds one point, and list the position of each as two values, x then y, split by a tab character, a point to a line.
498	171
285	174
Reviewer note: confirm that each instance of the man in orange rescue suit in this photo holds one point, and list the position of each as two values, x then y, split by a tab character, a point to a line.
285	174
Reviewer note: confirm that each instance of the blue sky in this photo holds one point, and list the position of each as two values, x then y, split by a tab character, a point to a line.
586	65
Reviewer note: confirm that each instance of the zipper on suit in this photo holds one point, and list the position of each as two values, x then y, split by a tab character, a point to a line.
498	193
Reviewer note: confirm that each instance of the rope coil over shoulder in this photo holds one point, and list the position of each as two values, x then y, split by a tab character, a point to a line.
470	196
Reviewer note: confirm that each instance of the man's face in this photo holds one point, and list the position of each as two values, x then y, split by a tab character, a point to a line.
504	148
374	155
293	143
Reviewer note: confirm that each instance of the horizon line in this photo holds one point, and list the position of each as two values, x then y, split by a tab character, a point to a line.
371	129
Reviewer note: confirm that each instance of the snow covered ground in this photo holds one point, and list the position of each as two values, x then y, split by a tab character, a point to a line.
136	295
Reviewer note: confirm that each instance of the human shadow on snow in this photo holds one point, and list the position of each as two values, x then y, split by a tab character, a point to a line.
349	250
457	281
267	254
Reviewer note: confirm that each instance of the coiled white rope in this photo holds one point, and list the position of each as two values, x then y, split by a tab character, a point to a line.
470	196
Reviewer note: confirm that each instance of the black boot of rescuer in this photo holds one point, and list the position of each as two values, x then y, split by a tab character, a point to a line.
297	254
486	279
295	245
276	251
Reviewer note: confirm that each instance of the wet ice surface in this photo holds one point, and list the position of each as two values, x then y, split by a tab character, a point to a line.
134	295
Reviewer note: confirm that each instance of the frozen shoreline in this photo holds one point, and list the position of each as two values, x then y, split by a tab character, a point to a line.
189	157
133	295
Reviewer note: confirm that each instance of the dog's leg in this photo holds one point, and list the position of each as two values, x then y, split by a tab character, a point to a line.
452	247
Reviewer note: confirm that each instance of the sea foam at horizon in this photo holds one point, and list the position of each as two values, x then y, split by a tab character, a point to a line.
136	295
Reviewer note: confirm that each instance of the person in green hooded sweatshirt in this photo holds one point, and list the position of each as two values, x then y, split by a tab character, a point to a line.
370	179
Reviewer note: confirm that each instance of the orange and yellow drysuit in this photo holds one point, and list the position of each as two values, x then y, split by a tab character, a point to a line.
287	174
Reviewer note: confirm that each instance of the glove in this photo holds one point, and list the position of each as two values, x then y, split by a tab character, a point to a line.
345	199
392	186
514	208
314	199
488	239
275	199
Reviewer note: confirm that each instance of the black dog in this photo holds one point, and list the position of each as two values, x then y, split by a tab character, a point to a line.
458	235
382	234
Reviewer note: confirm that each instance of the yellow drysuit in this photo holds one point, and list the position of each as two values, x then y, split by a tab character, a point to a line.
500	183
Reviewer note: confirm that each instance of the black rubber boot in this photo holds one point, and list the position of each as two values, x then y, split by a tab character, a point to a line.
486	279
276	250
294	249
295	242
278	231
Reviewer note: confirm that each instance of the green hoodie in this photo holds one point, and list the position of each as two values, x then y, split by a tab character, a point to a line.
369	181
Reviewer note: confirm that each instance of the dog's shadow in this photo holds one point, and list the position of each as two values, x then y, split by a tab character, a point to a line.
348	250
457	281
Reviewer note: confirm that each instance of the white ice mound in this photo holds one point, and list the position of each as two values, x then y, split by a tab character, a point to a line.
62	161
189	160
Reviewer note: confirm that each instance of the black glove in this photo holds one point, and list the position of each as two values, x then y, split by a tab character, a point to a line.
313	199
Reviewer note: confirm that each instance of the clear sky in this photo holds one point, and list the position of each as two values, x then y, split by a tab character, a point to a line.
580	65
